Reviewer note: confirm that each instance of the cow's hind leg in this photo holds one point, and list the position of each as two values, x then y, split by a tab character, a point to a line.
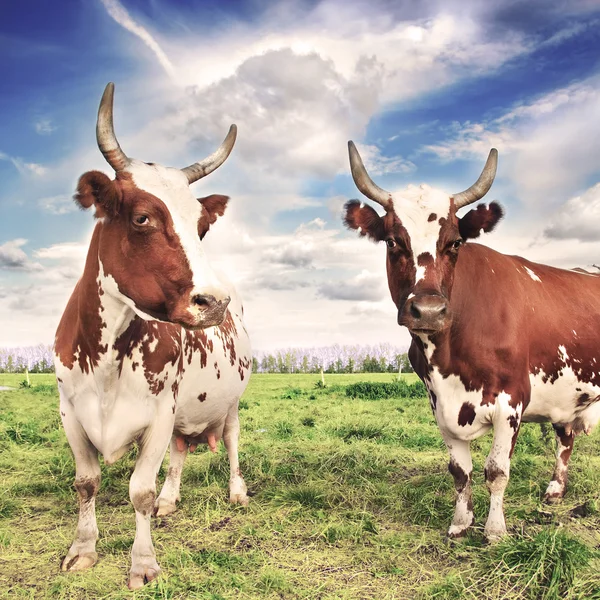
497	470
142	492
82	553
231	435
461	468
564	447
169	495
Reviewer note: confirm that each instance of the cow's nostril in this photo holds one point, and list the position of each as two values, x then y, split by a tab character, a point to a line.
200	300
414	311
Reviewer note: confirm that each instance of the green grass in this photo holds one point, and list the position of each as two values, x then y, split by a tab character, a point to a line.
351	500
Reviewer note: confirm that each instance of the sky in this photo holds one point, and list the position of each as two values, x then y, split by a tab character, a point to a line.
425	89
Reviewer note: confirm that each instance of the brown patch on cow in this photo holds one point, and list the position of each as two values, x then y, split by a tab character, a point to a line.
95	188
59	380
483	218
217	370
513	421
202	397
62	414
173	408
87	488
492	473
134	365
433	399
461	478
143	335
583	399
227	333
432	217
213	206
79	332
243	366
365	220
425	259
143	502
466	414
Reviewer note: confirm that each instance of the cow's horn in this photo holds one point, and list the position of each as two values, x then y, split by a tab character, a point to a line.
481	187
364	183
214	161
105	132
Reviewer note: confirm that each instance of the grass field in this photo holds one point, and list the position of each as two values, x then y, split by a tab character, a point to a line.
351	499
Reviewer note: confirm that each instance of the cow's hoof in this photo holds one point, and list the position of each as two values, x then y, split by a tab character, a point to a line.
241	499
553	498
162	508
140	576
493	537
79	562
457	534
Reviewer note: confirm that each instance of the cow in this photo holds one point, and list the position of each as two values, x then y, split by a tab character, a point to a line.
151	347
497	340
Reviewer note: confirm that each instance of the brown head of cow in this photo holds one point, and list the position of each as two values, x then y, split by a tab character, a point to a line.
424	237
149	246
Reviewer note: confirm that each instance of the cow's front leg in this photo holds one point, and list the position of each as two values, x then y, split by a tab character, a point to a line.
169	495
461	468
564	447
82	553
231	435
497	469
142	492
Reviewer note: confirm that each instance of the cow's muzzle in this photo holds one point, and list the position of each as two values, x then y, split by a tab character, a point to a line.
425	314
203	310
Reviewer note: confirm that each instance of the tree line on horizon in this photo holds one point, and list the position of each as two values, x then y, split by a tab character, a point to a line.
380	358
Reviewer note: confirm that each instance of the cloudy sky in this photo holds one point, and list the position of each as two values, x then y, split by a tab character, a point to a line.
424	88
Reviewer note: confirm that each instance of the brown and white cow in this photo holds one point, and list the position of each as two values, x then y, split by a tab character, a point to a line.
496	339
151	346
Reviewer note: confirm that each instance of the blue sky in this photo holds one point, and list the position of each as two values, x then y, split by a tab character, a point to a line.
424	88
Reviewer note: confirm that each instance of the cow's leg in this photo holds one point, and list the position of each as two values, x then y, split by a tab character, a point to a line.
82	553
142	492
231	436
169	495
461	468
564	446
497	470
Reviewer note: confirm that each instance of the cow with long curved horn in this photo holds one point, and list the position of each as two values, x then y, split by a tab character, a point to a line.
496	339
151	347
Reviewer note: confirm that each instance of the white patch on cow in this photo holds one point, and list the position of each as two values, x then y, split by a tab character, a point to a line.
562	353
554	488
532	274
171	186
413	206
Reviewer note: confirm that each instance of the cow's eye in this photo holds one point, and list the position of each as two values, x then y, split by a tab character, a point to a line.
391	243
141	220
456	244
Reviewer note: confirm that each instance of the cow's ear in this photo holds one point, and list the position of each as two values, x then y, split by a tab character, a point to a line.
213	206
365	220
97	189
481	218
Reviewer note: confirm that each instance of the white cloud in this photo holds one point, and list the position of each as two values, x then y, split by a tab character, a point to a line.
118	12
544	144
58	205
577	219
44	127
23	167
13	258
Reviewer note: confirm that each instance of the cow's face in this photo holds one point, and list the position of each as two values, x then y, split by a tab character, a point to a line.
424	237
150	248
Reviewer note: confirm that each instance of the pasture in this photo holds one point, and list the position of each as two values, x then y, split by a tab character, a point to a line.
351	499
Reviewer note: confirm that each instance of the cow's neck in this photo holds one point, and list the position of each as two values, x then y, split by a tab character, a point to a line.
101	311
